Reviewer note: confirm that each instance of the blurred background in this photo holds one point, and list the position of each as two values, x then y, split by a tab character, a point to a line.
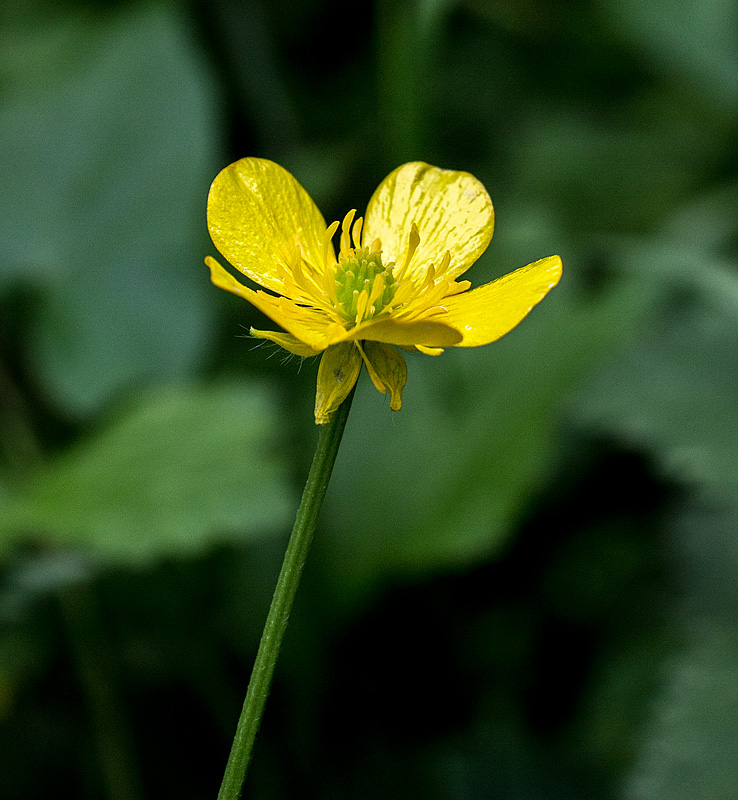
524	584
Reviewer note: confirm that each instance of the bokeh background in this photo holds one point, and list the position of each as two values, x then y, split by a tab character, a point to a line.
524	584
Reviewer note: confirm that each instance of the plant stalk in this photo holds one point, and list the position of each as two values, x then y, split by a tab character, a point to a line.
284	595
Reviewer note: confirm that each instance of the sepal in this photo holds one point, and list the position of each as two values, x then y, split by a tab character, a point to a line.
387	369
337	374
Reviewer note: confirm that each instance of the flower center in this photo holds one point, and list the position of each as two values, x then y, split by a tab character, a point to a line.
364	286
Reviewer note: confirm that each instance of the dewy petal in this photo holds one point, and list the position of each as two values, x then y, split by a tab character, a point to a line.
338	371
257	213
490	311
389	368
286	341
452	211
307	325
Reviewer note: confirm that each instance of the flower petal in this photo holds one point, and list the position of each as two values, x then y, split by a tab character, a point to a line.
338	371
407	334
308	325
316	331
387	369
286	341
452	211
257	213
429	351
490	311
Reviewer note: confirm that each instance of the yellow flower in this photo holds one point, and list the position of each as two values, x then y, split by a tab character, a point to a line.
394	281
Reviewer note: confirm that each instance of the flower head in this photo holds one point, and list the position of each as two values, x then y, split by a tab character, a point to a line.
393	282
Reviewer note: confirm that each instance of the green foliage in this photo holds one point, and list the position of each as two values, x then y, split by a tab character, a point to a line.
523	583
104	155
446	484
689	749
183	468
687	417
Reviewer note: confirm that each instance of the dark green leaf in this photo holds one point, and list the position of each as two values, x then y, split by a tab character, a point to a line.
180	470
675	388
106	150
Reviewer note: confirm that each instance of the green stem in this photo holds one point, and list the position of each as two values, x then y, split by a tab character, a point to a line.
284	596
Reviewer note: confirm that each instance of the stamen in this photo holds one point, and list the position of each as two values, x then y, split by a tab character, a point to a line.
297	267
457	287
356	232
445	261
361	307
329	285
362	286
435	294
377	288
282	270
329	233
412	246
345	233
430	278
403	293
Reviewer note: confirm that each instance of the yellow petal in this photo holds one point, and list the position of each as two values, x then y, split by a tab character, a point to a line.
338	371
490	311
452	211
308	325
405	334
387	369
257	213
286	341
317	332
224	280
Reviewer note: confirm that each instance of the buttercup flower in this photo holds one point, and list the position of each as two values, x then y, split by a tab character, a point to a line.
394	282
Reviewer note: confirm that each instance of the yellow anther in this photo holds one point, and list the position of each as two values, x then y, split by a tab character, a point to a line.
345	233
377	289
403	293
430	278
356	232
361	307
363	286
455	287
329	233
412	246
329	285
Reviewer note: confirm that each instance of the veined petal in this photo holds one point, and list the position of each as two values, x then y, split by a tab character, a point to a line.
490	311
391	331
257	214
308	325
452	211
338	371
286	341
387	369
